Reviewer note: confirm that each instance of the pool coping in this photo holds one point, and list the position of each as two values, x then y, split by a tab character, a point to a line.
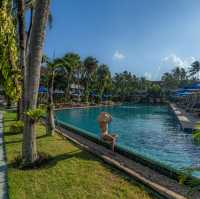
164	186
159	167
186	120
166	170
84	107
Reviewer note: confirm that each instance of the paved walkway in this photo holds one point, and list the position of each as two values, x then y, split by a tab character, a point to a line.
3	167
186	119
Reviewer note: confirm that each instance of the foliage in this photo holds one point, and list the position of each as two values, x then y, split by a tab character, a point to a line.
193	183
36	114
90	65
196	133
194	69
17	127
104	81
96	80
9	71
155	90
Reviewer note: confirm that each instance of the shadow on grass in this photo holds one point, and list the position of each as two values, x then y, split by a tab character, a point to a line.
76	154
9	120
49	161
8	133
19	140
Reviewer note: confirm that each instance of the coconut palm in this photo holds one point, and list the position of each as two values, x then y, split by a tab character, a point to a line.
176	73
90	65
195	68
103	78
52	66
70	62
168	81
34	58
183	74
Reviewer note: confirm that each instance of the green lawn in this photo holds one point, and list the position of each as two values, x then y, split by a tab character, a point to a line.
72	173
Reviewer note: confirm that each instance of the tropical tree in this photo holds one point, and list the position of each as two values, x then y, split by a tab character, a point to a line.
168	81
90	65
155	90
176	73
183	74
194	69
9	70
52	66
103	79
22	51
70	62
34	58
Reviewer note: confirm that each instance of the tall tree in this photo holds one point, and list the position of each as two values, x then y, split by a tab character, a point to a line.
34	58
103	79
70	62
51	69
90	65
9	70
195	69
22	51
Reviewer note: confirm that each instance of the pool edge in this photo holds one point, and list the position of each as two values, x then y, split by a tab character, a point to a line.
155	165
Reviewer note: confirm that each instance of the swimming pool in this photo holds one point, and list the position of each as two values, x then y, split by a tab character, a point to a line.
151	131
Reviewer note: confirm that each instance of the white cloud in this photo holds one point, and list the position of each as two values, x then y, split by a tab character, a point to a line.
174	61
118	55
148	75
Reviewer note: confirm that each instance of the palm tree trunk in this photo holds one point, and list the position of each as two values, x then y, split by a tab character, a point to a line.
29	29
22	46
67	90
50	107
29	150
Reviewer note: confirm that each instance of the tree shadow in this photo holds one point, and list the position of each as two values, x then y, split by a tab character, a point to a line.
13	142
8	120
19	140
9	133
51	161
75	154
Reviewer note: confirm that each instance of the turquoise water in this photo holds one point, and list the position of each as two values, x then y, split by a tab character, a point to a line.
151	131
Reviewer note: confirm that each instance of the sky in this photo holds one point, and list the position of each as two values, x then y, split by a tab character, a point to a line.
145	37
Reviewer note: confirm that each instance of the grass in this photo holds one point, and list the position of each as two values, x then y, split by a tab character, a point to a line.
71	174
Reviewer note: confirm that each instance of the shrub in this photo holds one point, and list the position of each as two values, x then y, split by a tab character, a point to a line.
36	114
17	127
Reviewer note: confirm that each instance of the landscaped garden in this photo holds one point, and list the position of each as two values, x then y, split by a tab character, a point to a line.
56	108
69	172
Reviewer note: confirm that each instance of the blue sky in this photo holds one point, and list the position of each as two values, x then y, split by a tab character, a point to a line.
146	37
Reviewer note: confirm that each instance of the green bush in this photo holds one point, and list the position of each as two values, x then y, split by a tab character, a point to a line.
17	127
35	114
196	133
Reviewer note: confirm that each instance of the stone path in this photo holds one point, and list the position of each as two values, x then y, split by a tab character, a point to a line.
3	167
186	119
166	187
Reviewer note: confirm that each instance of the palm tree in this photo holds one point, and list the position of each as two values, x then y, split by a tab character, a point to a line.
103	78
195	68
183	74
169	81
51	68
90	65
70	62
176	73
34	58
